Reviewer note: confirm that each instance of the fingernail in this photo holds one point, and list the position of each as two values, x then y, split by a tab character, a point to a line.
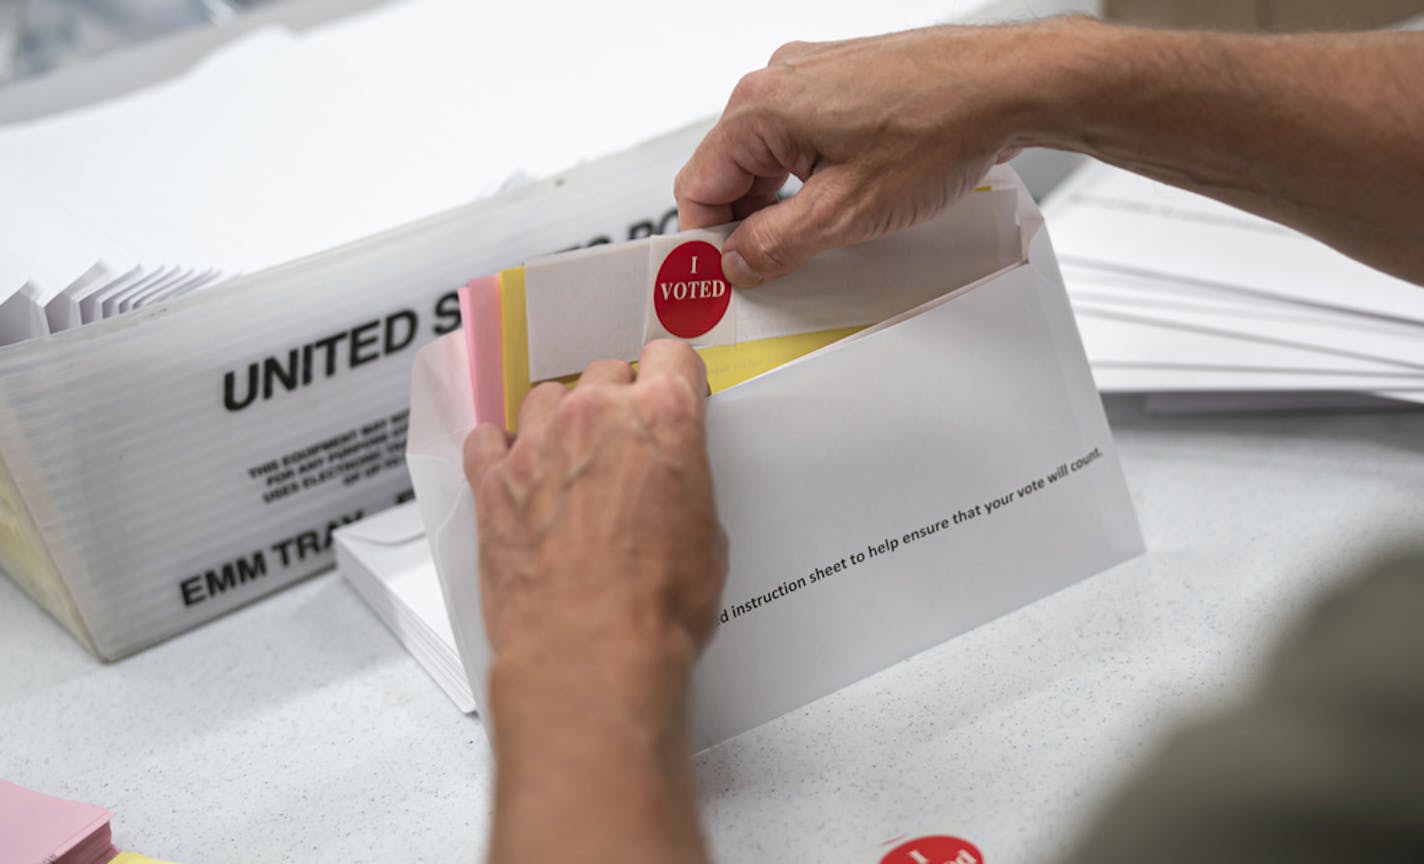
738	272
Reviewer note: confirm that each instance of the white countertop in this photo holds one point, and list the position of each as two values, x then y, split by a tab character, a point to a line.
298	728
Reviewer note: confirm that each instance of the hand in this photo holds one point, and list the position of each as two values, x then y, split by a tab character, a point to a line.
884	132
601	567
597	525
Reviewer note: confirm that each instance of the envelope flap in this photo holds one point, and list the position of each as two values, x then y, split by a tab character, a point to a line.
439	418
394	527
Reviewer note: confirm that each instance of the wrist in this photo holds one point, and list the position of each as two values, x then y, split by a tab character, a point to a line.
621	682
1068	74
592	750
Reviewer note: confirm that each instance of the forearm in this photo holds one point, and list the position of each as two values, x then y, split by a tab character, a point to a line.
593	756
601	571
1324	133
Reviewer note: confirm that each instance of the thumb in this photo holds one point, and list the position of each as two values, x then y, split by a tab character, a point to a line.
780	239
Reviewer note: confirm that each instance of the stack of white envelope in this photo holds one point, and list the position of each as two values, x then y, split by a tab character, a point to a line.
386	559
1207	306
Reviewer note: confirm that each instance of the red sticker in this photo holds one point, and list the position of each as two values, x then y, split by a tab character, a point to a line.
934	850
690	295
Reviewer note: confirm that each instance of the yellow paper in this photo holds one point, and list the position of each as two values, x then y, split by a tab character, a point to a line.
729	365
514	339
135	858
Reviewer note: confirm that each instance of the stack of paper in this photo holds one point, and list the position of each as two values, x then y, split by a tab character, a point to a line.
37	828
386	559
1178	294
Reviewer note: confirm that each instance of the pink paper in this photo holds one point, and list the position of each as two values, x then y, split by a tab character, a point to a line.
37	827
480	314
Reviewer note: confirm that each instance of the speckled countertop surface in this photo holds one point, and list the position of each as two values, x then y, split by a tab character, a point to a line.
298	729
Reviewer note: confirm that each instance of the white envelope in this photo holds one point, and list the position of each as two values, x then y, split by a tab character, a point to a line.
386	559
22	315
853	484
1110	218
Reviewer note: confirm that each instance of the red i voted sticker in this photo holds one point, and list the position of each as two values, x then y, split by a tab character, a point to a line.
935	849
690	296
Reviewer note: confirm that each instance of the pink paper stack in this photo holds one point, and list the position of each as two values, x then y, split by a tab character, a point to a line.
38	829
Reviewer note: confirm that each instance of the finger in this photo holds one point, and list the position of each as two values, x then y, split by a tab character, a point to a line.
764	193
606	372
792	51
693	214
672	357
768	185
733	161
710	181
779	239
751	204
485	446
539	408
1006	155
